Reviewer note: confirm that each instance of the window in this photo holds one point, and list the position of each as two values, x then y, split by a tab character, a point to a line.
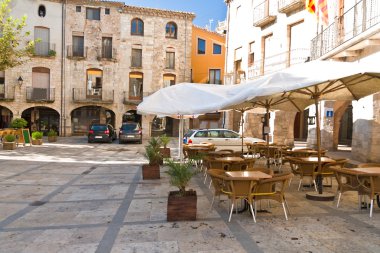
216	49
137	27
93	13
78	46
41	47
107	47
214	76
78	8
136	59
229	134
170	60
169	80
201	134
2	84
201	46
171	30
40	83
94	82
41	11
107	11
251	54
135	85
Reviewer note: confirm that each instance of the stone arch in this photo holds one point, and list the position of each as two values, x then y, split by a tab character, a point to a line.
83	116
6	116
42	118
339	110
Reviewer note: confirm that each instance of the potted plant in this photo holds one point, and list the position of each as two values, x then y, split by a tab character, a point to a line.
19	123
182	204
165	151
52	136
37	138
152	152
9	142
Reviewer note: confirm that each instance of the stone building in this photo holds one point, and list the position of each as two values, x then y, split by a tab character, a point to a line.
268	35
107	57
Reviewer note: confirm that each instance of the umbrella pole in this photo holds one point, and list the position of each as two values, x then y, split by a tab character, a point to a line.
267	135
242	130
319	176
180	138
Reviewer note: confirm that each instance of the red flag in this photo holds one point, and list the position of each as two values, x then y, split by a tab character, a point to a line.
322	6
310	6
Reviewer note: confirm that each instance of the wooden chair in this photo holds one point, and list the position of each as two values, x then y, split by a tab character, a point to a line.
368	165
273	189
327	172
370	186
306	169
240	189
218	181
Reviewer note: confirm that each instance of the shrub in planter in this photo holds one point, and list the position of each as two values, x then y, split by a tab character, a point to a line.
9	142
52	135
182	204
37	138
18	123
165	151
152	152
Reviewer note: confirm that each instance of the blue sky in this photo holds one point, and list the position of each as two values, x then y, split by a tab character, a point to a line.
203	9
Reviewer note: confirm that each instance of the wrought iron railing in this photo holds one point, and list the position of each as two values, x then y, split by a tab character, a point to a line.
361	17
44	49
278	62
105	53
93	95
76	52
290	5
263	11
40	94
130	98
7	92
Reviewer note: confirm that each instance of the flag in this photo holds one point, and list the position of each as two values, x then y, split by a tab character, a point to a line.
323	11
310	6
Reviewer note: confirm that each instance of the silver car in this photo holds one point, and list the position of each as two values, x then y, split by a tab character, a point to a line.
222	138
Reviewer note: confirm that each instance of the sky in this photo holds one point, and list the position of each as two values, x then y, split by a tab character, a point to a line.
203	9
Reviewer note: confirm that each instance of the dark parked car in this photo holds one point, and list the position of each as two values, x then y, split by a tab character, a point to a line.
101	133
130	131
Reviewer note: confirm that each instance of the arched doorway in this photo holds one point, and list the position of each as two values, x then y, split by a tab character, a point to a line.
345	128
83	117
6	116
42	119
131	115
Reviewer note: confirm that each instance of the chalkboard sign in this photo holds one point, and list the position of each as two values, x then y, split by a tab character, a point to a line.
26	135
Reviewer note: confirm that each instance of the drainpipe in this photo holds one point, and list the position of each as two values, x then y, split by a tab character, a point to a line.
63	61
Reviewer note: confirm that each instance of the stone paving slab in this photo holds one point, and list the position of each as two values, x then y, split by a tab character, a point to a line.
92	203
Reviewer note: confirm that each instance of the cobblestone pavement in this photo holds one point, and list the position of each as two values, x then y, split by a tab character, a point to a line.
71	196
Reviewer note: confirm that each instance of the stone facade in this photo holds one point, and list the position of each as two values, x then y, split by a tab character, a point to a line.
70	74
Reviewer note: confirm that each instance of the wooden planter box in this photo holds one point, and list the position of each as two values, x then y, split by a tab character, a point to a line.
37	142
151	171
182	208
165	152
9	145
52	138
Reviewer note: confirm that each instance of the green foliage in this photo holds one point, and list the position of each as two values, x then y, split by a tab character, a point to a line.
10	138
180	174
37	135
52	133
14	47
152	151
164	140
52	52
19	123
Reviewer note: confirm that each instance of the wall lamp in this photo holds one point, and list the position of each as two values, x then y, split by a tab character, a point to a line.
311	120
20	81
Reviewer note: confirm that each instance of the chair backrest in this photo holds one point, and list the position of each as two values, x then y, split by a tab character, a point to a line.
306	168
293	162
241	188
250	162
218	179
237	166
339	163
276	184
214	164
347	180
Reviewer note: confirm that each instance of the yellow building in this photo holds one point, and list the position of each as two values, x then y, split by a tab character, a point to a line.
207	56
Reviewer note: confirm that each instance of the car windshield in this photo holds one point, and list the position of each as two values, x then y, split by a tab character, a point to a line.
189	133
98	127
130	127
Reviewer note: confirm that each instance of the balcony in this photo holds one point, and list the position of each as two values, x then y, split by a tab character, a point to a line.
288	6
40	94
97	95
109	54
278	62
130	98
264	13
77	53
356	29
44	49
7	93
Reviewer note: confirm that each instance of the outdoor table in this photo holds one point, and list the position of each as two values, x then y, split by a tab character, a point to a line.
229	159
302	152
220	153
314	159
373	171
255	175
